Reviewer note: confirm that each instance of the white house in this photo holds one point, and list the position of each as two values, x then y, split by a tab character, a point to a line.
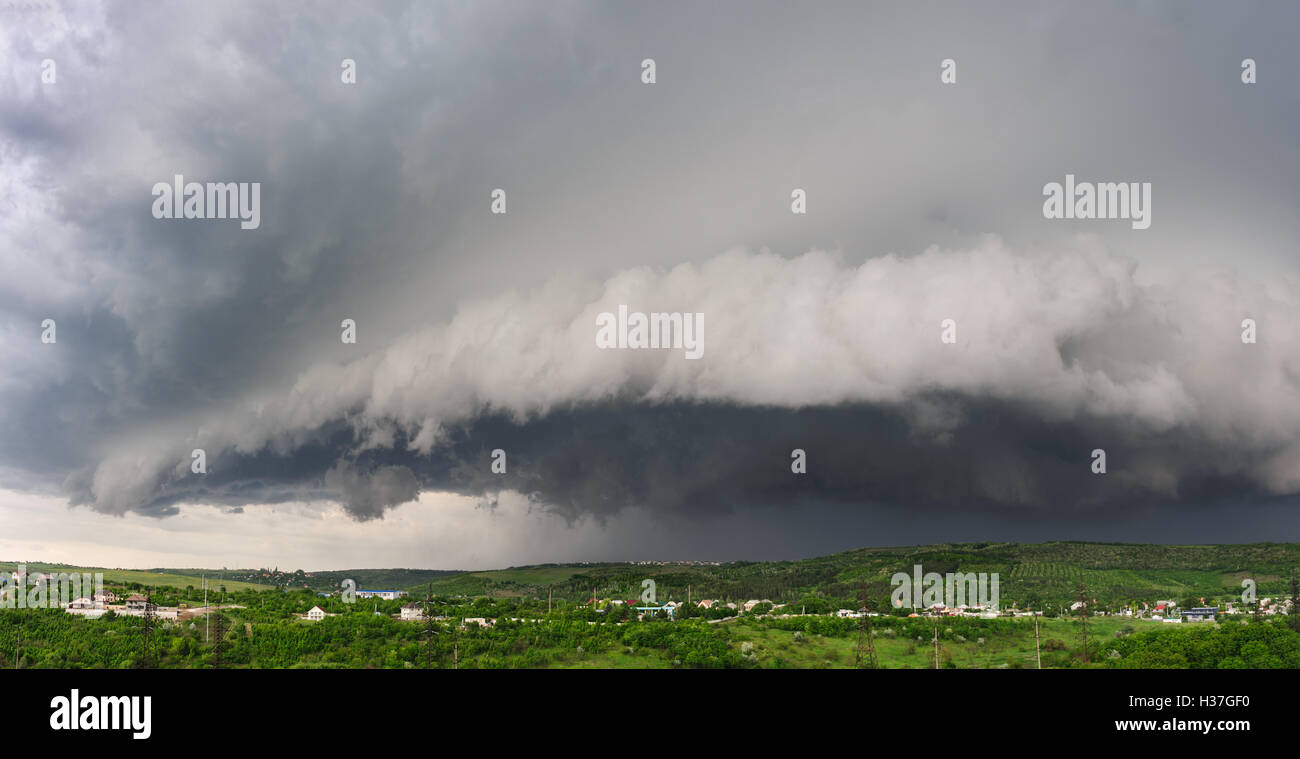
387	595
85	607
412	611
315	614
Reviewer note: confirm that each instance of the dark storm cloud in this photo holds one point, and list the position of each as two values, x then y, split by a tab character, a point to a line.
1156	375
475	332
693	460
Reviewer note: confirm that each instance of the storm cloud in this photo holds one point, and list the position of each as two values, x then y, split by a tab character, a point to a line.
476	331
1056	355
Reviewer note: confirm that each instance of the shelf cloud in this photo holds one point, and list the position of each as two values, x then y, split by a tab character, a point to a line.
453	200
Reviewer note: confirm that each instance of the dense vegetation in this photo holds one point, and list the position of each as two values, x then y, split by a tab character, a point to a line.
266	632
557	626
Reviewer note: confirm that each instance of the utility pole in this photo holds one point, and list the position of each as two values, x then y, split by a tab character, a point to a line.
429	629
1294	614
936	642
1255	583
1038	652
1083	617
549	588
866	643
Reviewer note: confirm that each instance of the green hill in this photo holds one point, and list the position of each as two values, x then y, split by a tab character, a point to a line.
1029	573
142	577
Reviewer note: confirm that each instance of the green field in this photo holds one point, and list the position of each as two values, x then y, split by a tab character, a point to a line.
141	577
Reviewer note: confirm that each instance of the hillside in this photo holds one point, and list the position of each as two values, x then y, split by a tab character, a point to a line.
142	577
328	580
1030	574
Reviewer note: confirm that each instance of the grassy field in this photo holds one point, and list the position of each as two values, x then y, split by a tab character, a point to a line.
139	576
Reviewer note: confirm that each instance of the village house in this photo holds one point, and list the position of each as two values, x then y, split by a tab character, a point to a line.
314	614
86	608
387	595
412	611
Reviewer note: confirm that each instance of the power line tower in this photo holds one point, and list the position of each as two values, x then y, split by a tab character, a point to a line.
147	620
866	658
1083	617
219	640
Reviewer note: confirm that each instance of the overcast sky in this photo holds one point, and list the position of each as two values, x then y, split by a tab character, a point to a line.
476	331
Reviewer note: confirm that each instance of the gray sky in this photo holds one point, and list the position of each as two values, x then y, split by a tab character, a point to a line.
476	331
